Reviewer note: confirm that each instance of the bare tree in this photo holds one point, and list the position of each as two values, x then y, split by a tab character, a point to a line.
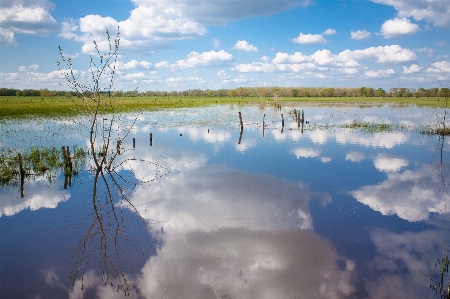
111	191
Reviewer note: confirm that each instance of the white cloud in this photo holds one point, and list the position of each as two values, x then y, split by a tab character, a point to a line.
242	79
382	54
440	67
355	156
152	25
385	163
436	12
133	64
441	43
360	35
426	50
32	67
245	46
414	68
407	194
329	31
148	26
380	73
306	153
241	263
162	64
398	27
307	39
173	82
133	76
39	194
205	59
323	60
216	43
25	17
7	38
222	74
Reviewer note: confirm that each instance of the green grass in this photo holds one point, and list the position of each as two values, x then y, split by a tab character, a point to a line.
37	161
61	106
371	127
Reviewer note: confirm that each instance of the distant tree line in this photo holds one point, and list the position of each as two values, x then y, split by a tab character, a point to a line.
261	92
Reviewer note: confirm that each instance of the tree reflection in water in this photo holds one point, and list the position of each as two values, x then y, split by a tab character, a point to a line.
111	190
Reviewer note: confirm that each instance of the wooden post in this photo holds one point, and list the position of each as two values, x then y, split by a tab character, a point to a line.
303	117
22	174
240	121
282	120
134	142
264	116
298	119
151	139
69	159
66	164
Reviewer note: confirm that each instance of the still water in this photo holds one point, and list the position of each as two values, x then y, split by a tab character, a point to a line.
207	210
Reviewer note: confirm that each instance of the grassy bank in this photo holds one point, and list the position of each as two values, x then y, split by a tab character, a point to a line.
62	106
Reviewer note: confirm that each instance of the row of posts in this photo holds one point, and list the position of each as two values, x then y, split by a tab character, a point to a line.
300	116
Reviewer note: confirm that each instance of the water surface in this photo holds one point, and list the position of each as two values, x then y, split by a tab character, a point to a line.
210	211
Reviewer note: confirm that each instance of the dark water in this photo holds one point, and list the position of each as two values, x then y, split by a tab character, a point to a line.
208	212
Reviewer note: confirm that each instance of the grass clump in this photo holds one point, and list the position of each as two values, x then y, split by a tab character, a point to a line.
370	127
38	161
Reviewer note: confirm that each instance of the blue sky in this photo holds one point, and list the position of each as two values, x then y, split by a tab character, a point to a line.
212	44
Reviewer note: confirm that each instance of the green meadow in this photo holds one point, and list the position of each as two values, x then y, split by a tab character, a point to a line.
63	106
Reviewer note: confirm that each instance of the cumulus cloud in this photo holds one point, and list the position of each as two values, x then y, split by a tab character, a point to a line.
324	60
360	34
414	68
355	156
245	46
436	12
407	194
308	39
387	163
38	195
383	140
133	64
382	54
241	263
439	67
380	73
25	17
148	26
222	74
151	25
172	81
329	31
205	59
398	27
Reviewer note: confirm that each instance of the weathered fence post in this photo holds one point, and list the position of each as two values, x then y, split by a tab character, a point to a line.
22	174
240	121
151	139
134	142
264	116
282	120
69	159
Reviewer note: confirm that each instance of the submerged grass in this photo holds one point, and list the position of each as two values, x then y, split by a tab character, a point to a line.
38	161
371	127
64	106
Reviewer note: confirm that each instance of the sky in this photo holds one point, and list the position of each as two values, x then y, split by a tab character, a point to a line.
213	44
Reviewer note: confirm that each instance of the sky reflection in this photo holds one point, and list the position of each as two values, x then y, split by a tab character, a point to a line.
323	212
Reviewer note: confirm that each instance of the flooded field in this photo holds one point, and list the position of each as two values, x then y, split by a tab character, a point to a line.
346	202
